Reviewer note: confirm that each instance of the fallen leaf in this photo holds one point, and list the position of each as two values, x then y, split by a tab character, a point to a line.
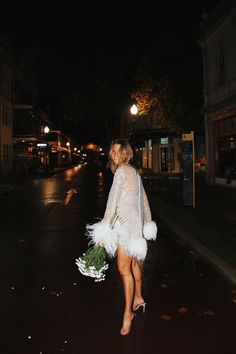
166	317
183	310
164	286
209	312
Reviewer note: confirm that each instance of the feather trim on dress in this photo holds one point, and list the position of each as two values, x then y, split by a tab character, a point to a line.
150	230
135	247
101	232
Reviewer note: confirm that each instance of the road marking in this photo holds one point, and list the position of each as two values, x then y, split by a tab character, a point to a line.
70	194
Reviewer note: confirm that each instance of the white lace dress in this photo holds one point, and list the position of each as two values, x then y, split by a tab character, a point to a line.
134	224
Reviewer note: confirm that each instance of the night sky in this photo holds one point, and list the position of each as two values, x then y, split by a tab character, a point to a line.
60	43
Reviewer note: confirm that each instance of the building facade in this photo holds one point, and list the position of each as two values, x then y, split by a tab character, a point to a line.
6	112
24	127
219	69
31	149
156	149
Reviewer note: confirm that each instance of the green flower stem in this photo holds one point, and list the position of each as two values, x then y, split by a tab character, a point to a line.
95	256
114	219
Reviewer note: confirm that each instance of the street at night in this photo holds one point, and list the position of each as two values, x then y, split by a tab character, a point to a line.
47	306
118	178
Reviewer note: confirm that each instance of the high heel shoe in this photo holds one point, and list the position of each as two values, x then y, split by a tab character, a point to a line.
143	305
126	327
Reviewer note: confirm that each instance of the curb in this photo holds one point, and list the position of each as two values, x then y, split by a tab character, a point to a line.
228	272
222	267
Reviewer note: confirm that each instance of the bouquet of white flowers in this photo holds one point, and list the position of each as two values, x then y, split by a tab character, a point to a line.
93	262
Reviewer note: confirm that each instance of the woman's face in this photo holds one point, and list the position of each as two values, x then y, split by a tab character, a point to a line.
114	153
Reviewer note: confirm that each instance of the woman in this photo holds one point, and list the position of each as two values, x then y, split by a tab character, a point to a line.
125	227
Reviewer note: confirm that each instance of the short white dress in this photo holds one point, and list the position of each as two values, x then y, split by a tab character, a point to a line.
128	206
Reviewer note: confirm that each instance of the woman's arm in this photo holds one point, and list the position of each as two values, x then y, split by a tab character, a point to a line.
114	195
147	216
149	227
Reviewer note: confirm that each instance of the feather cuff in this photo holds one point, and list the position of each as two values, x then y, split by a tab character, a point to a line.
150	230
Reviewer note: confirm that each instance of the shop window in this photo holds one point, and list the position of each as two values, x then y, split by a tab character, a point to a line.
227	156
164	161
226	126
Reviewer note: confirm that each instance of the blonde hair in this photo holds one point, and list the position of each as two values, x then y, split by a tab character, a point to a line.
125	153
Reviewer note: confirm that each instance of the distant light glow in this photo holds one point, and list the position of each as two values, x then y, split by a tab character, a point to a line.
91	147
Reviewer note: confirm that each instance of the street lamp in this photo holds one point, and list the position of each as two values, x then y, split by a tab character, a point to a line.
134	109
134	112
46	130
46	148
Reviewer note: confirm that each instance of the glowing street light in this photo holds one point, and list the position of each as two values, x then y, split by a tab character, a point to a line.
46	130
134	109
134	112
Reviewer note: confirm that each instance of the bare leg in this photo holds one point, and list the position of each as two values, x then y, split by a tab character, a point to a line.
137	272
125	270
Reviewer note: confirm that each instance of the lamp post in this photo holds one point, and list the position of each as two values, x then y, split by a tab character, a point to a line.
46	130
69	151
134	112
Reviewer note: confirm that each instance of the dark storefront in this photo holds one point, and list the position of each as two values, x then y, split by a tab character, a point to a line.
226	148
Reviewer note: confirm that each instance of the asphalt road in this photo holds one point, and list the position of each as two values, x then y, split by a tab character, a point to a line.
47	306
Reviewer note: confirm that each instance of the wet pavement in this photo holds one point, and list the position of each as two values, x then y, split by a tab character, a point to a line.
47	306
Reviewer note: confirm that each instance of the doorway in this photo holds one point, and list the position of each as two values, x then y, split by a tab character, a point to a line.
164	162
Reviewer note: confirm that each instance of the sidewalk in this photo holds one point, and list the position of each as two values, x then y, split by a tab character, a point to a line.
209	229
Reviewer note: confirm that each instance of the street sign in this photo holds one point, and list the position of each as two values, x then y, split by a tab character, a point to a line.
188	158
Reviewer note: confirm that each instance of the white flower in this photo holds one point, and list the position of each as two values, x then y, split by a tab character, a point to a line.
93	263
